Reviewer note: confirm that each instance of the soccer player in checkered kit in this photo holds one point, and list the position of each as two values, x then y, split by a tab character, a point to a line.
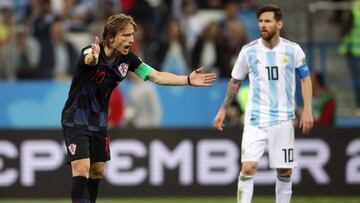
272	64
101	67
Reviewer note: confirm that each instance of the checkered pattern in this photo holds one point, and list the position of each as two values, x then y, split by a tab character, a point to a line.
90	91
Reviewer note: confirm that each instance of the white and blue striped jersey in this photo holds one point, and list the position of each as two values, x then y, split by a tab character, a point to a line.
272	75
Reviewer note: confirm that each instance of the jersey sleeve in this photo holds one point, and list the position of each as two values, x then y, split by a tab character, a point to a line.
134	61
241	68
301	67
140	68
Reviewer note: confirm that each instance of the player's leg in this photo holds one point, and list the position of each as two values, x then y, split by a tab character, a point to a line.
282	157
252	148
100	153
97	172
77	144
283	188
80	173
246	182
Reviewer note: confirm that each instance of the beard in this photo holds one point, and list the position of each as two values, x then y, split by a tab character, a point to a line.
268	35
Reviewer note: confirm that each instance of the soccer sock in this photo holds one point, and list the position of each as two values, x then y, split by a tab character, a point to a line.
245	189
92	186
79	192
283	189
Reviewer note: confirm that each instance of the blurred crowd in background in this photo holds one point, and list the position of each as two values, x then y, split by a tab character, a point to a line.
41	40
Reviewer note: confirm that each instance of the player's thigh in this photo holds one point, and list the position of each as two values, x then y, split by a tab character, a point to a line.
97	170
281	145
99	147
80	167
253	143
77	143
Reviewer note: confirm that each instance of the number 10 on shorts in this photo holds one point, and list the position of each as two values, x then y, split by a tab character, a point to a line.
288	155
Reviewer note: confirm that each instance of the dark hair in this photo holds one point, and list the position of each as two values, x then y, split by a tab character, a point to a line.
270	8
114	24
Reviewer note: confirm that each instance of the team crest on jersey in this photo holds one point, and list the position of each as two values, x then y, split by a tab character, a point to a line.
123	68
72	148
286	60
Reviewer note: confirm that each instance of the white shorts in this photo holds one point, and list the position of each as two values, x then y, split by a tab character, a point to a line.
279	139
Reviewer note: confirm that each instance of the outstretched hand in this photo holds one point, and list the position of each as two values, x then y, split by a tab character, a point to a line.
201	79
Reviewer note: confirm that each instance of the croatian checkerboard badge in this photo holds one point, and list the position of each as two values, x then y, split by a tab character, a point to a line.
123	68
72	148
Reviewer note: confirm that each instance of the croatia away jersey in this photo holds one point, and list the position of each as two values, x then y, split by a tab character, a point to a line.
272	74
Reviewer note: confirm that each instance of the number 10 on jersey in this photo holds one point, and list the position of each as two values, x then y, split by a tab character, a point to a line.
273	73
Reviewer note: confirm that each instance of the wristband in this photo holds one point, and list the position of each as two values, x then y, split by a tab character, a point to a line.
188	79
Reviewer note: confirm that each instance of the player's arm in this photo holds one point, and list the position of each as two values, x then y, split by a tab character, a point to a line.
231	92
303	73
239	72
306	120
92	54
196	78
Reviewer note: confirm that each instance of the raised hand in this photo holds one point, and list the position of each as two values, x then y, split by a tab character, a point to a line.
95	50
92	54
201	79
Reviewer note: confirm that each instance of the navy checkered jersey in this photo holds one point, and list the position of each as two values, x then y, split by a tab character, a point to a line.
88	102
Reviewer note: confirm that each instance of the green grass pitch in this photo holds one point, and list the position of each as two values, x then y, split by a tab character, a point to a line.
297	199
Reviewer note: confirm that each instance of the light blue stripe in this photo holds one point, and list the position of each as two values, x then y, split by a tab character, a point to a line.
290	107
255	111
273	88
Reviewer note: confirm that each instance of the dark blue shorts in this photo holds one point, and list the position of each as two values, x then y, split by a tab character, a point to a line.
81	144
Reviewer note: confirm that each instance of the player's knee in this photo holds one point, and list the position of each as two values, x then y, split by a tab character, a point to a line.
284	172
81	171
248	169
97	173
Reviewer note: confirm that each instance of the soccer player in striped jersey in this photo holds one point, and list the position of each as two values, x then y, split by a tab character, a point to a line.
101	67
272	64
